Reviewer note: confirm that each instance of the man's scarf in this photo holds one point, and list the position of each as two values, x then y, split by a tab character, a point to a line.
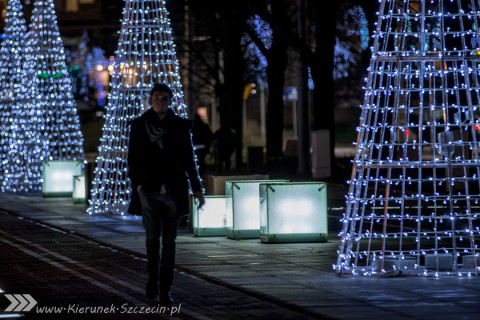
155	133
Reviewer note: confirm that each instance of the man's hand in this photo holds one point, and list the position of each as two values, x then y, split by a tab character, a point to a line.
139	187
199	196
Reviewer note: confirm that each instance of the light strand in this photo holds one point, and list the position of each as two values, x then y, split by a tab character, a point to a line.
145	55
413	202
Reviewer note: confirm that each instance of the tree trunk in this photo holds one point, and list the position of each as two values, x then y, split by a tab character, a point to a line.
322	74
232	18
303	109
277	62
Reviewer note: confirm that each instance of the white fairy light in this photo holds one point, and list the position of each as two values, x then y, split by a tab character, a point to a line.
55	98
145	55
43	123
414	191
11	69
23	139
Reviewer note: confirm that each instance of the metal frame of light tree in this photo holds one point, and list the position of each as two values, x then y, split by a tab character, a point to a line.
62	125
413	201
145	55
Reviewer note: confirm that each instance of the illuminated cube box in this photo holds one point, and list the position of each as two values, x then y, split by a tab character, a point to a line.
211	219
216	184
293	212
79	189
58	177
243	208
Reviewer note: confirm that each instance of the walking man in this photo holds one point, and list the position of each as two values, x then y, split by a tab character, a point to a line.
161	163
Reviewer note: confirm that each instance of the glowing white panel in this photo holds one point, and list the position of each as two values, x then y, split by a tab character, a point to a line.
243	208
293	212
211	219
58	177
79	189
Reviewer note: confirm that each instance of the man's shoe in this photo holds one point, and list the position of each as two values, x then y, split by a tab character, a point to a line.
152	288
166	299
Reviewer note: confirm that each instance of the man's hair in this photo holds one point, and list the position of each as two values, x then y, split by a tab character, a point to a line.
161	87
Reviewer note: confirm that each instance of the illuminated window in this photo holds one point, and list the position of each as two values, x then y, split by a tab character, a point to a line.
71	6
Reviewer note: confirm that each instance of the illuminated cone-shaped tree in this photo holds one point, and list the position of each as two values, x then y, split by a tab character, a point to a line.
11	68
413	203
54	85
146	55
28	139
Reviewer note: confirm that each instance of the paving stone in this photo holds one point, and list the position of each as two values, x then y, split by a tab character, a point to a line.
64	271
234	278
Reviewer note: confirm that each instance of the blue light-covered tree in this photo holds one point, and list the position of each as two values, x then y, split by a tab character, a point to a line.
145	55
21	141
11	59
28	141
253	55
55	97
351	40
413	202
96	63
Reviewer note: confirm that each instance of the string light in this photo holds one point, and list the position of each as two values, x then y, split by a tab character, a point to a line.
55	98
22	140
145	55
413	201
42	124
11	60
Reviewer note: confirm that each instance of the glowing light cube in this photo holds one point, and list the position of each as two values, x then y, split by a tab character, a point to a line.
58	177
79	189
293	212
211	219
216	184
243	208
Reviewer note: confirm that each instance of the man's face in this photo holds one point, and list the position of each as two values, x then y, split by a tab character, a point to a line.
160	102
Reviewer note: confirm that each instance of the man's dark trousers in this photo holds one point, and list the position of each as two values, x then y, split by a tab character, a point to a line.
160	219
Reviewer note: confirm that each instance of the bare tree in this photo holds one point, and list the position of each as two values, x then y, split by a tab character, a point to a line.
217	59
277	59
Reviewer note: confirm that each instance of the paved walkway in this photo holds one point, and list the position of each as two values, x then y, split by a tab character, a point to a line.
297	276
67	276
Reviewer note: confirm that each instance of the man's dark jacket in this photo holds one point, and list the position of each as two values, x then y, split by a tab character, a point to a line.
169	161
